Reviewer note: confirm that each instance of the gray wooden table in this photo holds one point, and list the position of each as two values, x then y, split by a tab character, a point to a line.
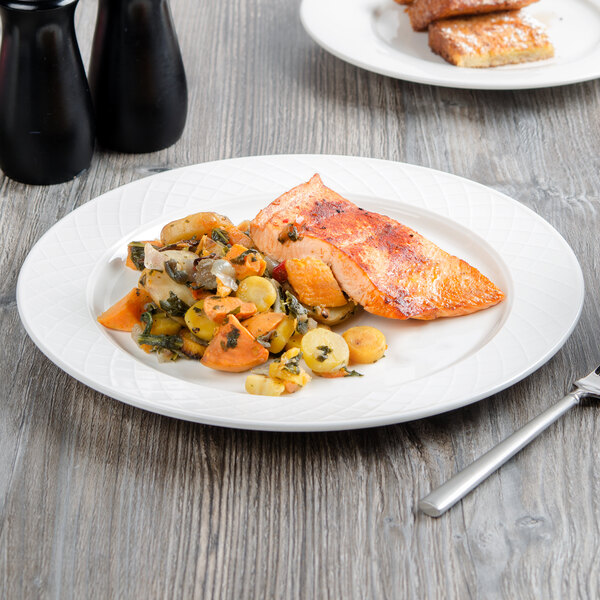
102	500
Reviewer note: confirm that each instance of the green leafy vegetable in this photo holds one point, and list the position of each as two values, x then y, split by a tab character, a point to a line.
167	342
292	306
174	306
220	235
137	254
147	317
174	273
239	260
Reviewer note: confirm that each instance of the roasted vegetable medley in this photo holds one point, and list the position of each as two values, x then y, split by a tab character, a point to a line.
206	293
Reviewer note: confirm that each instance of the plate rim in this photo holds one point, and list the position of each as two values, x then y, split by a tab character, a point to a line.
457	83
364	422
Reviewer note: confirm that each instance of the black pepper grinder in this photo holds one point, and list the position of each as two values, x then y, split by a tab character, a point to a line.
46	116
137	76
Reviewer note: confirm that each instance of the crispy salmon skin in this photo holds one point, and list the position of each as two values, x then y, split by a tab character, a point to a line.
388	268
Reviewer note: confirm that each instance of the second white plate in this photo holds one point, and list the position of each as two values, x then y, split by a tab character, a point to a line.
430	367
376	35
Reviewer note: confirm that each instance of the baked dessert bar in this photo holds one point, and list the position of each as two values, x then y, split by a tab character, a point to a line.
424	12
490	40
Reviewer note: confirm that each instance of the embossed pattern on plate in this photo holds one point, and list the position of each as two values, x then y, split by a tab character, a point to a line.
429	368
376	35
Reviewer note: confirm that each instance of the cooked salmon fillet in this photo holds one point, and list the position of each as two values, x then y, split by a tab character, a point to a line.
388	268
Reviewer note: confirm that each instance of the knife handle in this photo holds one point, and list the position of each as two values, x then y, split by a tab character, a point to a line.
456	488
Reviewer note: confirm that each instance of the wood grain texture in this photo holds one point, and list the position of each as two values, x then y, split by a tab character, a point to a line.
101	500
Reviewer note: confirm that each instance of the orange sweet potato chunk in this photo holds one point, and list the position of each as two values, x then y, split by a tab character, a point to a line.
217	308
314	282
234	348
126	313
253	264
263	323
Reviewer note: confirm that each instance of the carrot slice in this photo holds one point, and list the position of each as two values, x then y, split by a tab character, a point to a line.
234	348
126	313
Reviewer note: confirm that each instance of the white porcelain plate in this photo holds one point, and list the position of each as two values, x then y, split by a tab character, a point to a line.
376	35
429	367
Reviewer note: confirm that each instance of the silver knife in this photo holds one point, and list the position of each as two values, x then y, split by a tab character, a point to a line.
456	488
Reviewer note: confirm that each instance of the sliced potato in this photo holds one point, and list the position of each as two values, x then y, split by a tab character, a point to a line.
261	385
366	344
192	347
160	287
324	351
199	224
288	369
259	291
195	225
295	341
198	323
283	332
333	316
164	325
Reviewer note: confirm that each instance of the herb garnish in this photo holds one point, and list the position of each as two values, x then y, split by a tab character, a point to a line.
352	373
232	339
265	339
325	350
293	364
293	234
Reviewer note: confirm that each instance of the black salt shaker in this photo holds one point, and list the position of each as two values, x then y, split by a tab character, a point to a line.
137	77
46	117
